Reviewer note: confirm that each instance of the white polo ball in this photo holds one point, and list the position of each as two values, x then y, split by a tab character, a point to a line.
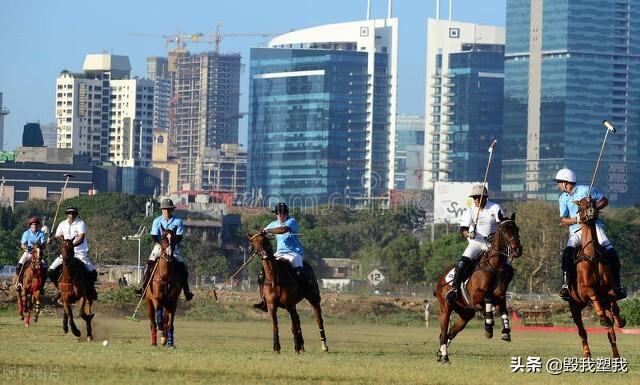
105	343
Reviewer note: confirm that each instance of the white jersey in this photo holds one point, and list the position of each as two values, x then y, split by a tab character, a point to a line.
487	221
71	231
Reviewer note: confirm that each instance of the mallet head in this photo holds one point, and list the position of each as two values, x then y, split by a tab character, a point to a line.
609	126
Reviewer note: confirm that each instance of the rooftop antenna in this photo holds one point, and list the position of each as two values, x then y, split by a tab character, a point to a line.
389	9
368	9
450	10
437	9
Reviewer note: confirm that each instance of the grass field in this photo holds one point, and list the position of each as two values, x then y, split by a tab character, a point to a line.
240	353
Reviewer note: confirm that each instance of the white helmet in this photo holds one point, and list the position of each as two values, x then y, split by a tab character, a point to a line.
565	175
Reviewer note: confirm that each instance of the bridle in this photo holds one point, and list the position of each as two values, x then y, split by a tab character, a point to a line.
262	252
509	251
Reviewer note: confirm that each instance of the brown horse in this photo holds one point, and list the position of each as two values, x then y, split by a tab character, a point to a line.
75	285
163	292
487	287
592	281
33	279
282	289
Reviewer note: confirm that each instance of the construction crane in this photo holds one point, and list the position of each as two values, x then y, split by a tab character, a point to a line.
179	39
218	36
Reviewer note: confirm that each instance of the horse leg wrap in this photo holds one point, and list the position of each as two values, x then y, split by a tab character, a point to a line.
506	328
322	335
443	349
160	320
488	313
170	337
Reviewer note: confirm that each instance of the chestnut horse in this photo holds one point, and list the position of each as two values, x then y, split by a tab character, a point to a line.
282	289
592	281
75	285
33	279
163	292
487	287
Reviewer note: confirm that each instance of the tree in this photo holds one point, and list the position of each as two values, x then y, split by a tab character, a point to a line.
441	254
402	260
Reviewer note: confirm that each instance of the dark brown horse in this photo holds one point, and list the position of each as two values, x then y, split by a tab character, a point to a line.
282	289
33	279
487	287
75	284
163	292
592	281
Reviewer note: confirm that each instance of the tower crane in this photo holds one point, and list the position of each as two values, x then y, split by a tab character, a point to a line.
217	37
179	39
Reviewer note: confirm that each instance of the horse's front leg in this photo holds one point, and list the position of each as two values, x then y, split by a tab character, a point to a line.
19	300
576	314
168	319
151	315
445	316
69	312
296	329
26	307
87	316
501	306
273	312
488	315
36	300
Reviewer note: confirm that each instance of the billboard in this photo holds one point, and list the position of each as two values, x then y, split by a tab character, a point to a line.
451	200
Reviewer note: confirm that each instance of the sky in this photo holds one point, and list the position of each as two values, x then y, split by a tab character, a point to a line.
40	38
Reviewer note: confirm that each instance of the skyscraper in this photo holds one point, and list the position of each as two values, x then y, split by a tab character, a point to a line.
409	152
322	105
569	65
207	93
104	114
463	114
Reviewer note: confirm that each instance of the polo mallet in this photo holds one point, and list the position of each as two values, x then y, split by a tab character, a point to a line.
609	127
484	182
144	294
215	292
66	180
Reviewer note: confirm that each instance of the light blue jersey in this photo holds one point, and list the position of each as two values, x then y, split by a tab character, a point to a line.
568	209
30	238
287	242
174	223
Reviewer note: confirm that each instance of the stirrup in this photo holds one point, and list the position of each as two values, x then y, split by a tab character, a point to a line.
564	292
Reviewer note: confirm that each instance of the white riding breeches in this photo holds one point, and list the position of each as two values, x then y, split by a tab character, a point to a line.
25	257
475	248
155	253
82	256
575	239
294	259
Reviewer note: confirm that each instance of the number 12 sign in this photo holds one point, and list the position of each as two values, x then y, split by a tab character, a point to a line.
375	277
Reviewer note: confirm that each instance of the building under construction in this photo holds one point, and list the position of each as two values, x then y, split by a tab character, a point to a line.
206	93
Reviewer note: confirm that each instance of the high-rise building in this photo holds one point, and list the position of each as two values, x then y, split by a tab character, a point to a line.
464	107
3	111
207	93
568	66
409	152
158	72
322	109
32	135
49	134
104	114
225	170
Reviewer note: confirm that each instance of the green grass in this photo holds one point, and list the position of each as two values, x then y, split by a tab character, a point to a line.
239	352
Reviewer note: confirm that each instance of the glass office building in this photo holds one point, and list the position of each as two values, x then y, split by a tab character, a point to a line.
568	66
409	152
320	119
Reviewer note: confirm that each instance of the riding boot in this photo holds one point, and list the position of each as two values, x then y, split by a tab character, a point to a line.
614	262
146	277
19	274
459	276
262	305
184	280
567	265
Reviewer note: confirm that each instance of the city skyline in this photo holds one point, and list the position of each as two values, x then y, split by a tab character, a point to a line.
28	80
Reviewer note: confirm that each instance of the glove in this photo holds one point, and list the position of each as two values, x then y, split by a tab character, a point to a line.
577	219
471	234
264	232
29	248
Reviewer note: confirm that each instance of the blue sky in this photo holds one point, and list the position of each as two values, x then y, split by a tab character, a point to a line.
39	38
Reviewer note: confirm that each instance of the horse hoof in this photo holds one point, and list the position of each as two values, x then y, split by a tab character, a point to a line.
622	323
606	322
506	337
26	325
163	341
65	330
439	356
444	360
21	318
76	332
89	338
325	348
488	333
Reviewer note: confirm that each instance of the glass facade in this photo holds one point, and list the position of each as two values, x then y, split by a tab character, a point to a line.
409	152
589	71
475	111
308	124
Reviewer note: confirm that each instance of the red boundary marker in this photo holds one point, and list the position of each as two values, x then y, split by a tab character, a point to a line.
597	330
